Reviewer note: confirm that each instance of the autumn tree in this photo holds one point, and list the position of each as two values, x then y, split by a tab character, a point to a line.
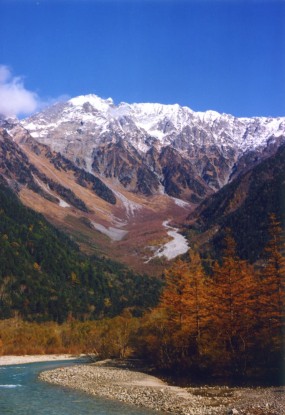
181	313
175	310
233	304
154	340
224	323
196	302
173	297
116	335
272	291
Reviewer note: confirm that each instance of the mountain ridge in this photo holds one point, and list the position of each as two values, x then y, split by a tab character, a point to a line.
52	185
150	115
243	207
211	144
132	165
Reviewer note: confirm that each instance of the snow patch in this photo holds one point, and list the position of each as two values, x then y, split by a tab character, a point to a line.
113	233
63	204
181	203
130	206
208	116
94	100
46	188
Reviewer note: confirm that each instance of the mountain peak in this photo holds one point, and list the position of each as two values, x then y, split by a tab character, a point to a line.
140	150
87	129
96	102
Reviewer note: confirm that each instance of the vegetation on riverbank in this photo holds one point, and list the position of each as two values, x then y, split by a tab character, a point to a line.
228	321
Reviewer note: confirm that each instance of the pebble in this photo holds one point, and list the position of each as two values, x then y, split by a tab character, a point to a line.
143	390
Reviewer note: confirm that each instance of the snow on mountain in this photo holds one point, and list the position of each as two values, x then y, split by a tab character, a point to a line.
149	147
171	152
161	122
94	100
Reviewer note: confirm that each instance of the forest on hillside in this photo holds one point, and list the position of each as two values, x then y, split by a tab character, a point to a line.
244	206
226	323
44	276
210	317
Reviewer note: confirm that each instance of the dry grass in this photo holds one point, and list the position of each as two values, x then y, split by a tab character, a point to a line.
144	227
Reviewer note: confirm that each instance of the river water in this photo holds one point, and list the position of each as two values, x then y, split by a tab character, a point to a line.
22	393
178	245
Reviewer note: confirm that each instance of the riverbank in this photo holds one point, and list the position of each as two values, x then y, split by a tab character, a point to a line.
20	360
117	380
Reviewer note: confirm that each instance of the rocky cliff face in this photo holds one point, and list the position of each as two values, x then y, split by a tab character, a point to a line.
102	216
154	148
112	175
18	170
243	207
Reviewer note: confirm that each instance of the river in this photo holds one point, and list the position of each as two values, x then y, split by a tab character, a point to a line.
178	244
21	393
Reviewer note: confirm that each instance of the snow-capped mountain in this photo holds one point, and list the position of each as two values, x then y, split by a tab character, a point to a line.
90	166
152	148
162	123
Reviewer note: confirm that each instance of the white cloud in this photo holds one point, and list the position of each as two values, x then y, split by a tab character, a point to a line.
15	99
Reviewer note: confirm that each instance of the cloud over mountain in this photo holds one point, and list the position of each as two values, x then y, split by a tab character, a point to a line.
15	99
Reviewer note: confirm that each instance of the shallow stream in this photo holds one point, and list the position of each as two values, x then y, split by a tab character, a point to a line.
21	393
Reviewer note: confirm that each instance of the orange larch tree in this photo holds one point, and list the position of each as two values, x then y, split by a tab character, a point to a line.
272	291
173	297
183	303
196	302
233	303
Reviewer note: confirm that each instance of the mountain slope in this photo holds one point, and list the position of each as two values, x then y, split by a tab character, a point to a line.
16	166
243	206
101	216
112	176
127	142
43	276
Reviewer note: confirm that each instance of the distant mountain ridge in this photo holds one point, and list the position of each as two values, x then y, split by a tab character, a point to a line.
112	175
155	148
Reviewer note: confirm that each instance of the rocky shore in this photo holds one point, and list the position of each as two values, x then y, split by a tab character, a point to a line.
112	380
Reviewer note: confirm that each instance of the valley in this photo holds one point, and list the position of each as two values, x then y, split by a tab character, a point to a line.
142	207
111	175
145	233
118	231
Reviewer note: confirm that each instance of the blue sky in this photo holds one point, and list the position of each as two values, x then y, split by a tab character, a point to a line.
224	55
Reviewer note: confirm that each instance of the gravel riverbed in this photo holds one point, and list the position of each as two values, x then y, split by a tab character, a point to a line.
110	380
